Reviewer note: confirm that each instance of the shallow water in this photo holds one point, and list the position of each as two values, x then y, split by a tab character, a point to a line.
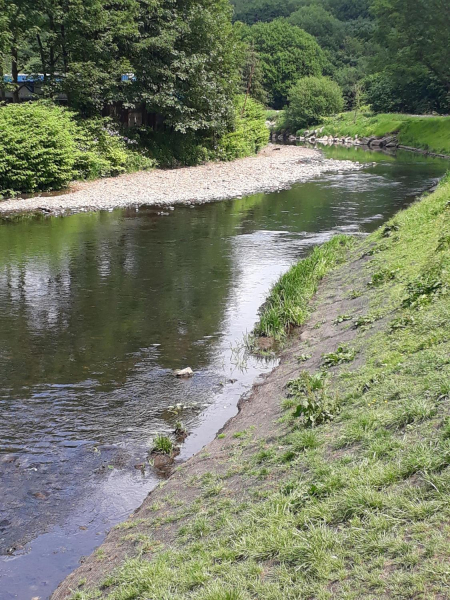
96	310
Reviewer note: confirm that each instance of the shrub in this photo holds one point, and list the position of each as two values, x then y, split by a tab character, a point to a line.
311	99
37	147
250	133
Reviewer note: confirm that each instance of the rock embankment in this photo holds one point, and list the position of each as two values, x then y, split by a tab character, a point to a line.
387	142
274	168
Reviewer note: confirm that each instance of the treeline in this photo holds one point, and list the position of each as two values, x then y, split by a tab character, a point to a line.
393	54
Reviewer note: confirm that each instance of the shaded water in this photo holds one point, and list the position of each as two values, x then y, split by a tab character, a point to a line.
96	310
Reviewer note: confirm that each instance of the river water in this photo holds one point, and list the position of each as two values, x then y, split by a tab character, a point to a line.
96	310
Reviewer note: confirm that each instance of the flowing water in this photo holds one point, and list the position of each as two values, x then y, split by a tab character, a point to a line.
96	310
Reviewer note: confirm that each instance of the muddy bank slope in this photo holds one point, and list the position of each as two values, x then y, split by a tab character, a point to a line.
355	507
274	168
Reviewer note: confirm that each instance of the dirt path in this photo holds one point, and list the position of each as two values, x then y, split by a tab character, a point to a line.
177	502
274	168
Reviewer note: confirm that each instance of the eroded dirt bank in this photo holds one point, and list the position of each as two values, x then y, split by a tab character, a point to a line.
274	168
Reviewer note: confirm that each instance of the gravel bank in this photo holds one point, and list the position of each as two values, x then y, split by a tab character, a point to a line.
274	168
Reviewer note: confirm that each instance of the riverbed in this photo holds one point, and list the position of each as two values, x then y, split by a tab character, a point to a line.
98	309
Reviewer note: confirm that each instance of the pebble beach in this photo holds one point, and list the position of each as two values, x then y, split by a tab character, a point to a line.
276	167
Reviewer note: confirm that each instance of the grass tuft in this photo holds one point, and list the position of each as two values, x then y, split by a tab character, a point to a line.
287	305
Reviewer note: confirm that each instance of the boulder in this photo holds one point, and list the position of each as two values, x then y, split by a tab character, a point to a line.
188	372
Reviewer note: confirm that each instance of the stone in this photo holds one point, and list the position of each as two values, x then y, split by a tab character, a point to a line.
188	372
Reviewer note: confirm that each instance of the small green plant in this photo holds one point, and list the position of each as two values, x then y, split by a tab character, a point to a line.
162	444
422	291
381	277
303	357
389	229
313	403
364	321
355	294
402	323
341	319
342	355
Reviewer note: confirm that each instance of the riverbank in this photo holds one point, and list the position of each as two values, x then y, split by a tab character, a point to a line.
274	168
355	507
425	134
428	134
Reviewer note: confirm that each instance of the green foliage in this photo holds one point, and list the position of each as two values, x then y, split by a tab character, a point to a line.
249	134
311	99
287	304
313	402
343	354
287	53
317	21
162	444
44	147
37	148
414	58
185	57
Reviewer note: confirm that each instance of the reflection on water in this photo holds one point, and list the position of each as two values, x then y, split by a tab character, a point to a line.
96	310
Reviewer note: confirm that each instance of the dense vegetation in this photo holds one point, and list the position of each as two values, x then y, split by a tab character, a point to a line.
395	53
311	99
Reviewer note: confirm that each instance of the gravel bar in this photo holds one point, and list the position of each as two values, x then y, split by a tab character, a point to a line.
274	168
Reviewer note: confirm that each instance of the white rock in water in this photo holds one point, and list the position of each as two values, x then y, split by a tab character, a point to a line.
188	372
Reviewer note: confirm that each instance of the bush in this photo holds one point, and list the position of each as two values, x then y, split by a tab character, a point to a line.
44	147
38	147
250	133
311	99
103	152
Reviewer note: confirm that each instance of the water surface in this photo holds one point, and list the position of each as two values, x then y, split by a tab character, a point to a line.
96	310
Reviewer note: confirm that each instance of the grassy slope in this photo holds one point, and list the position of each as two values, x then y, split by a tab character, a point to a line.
357	507
427	133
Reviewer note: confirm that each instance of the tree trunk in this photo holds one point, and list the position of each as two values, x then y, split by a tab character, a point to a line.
15	72
2	82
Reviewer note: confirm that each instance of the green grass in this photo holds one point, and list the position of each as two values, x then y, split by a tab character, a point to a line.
162	444
356	506
287	305
427	133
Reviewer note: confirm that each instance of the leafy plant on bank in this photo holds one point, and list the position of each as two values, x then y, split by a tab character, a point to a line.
312	401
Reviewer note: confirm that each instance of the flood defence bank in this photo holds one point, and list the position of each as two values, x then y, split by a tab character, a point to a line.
274	168
334	478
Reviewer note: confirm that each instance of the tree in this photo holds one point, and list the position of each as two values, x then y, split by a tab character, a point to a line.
317	21
186	63
287	53
254	11
312	98
414	36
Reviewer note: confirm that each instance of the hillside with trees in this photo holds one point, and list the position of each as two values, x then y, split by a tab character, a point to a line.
393	53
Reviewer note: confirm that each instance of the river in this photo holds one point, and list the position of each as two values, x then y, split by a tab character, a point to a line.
97	309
